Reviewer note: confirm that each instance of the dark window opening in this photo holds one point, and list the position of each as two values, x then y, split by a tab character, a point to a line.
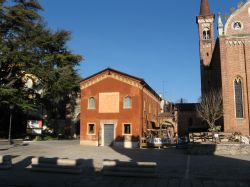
237	25
91	128
206	34
238	98
127	129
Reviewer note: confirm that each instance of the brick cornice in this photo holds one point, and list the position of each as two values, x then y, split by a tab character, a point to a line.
237	42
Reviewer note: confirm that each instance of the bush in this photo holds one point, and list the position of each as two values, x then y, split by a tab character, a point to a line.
45	138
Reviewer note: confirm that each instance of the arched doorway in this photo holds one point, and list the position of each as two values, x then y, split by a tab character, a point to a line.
167	126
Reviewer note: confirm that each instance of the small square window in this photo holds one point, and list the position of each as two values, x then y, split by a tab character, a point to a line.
127	129
91	128
127	102
91	103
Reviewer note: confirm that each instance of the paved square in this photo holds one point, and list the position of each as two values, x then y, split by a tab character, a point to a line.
175	167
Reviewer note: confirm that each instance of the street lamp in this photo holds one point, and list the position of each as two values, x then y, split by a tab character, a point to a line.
11	109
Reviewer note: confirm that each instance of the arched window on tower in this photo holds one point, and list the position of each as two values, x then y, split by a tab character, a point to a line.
206	34
238	94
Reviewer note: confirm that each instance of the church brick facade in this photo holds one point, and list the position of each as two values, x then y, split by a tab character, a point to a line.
225	63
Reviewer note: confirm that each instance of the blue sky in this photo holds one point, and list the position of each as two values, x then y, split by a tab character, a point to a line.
153	39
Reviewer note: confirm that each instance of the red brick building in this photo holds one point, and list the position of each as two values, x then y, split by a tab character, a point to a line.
188	119
116	109
225	63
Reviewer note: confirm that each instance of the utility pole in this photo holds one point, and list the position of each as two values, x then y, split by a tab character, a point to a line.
11	109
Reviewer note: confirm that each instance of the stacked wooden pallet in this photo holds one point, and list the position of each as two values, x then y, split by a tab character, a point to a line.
197	137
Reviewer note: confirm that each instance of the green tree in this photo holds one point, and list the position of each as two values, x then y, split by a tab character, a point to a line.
14	20
27	46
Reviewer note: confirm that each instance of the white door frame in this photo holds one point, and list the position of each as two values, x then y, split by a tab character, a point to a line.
102	123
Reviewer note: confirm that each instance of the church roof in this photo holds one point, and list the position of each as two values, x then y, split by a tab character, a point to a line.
113	70
204	9
238	22
140	80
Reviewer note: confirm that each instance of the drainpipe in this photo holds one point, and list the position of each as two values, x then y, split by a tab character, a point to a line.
142	114
245	63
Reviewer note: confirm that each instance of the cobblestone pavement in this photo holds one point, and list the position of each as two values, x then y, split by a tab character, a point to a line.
175	167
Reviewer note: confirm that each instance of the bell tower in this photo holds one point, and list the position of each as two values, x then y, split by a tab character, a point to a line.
205	22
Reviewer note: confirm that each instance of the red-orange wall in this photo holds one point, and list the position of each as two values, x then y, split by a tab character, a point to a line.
124	116
132	116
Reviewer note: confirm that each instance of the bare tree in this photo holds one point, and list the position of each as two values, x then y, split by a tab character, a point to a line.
210	108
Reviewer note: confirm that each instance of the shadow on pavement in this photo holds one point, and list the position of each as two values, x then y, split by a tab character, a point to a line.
176	163
175	167
21	174
24	163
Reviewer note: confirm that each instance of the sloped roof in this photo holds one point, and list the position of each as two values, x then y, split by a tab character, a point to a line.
239	15
112	70
140	80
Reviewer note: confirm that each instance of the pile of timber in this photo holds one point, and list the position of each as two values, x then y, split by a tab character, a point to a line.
56	165
197	137
5	162
129	169
224	137
209	137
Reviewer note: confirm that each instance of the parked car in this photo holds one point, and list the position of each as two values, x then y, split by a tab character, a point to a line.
182	143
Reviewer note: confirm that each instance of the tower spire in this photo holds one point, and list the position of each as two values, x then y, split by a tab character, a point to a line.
204	9
220	25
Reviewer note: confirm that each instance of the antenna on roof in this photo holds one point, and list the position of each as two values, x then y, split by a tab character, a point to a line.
163	89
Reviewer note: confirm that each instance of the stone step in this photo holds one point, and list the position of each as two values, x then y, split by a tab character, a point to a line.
131	169
129	164
55	161
129	174
5	166
5	158
56	165
43	165
57	169
5	162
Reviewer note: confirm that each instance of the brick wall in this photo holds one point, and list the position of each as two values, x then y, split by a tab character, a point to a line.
231	60
145	106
